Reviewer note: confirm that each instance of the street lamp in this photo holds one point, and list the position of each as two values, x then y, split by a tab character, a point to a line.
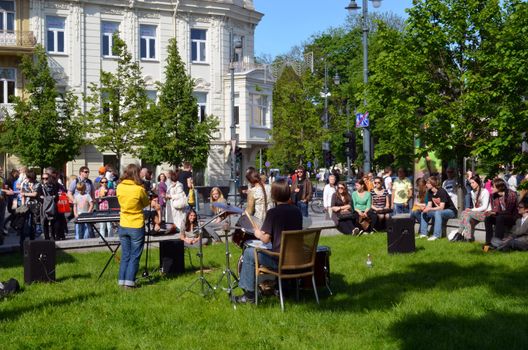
235	47
353	6
326	94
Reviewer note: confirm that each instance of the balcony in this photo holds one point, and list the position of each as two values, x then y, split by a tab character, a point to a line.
18	41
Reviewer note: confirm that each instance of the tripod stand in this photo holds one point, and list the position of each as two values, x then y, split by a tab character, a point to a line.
228	273
148	233
206	287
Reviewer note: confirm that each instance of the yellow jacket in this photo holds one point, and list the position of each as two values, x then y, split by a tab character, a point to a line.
132	199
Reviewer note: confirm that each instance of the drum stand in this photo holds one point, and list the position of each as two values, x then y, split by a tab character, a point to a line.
206	287
228	273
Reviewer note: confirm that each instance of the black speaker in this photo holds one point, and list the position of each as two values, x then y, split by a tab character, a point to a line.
39	261
400	235
172	257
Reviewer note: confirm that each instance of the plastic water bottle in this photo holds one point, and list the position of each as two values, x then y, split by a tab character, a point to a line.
369	261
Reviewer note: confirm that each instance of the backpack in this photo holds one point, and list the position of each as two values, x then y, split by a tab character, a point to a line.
9	287
63	204
49	207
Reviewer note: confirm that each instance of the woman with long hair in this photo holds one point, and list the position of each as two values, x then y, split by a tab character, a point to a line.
178	201
380	202
363	213
259	198
470	217
189	234
132	199
162	192
342	211
216	196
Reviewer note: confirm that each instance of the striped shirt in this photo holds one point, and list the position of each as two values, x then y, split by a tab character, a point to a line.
379	201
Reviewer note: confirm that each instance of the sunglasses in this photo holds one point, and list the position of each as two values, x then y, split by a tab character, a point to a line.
377	183
104	182
340	188
45	178
86	172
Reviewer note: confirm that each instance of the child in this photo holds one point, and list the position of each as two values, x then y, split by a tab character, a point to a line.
82	203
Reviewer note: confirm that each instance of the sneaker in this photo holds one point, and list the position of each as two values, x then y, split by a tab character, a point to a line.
355	231
244	299
360	232
422	236
452	235
432	238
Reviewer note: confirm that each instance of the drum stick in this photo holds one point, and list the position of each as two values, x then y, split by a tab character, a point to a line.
251	221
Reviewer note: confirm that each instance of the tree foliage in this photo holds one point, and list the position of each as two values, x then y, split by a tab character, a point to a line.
174	133
43	130
118	113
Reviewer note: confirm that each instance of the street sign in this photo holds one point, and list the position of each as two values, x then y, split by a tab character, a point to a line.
267	164
309	164
362	120
326	146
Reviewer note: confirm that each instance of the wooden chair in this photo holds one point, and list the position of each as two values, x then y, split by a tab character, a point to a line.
296	259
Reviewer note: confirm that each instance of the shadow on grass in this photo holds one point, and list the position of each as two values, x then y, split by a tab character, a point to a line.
16	259
15	313
383	292
429	330
74	277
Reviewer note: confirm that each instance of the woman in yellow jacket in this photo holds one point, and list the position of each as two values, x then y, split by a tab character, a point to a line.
132	199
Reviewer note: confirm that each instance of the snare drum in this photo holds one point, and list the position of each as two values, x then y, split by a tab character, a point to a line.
322	269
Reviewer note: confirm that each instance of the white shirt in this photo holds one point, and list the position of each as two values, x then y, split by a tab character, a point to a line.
512	182
484	200
328	191
387	181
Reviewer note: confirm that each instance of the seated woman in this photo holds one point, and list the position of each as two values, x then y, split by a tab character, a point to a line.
470	217
215	196
380	203
503	210
342	211
364	216
189	233
420	199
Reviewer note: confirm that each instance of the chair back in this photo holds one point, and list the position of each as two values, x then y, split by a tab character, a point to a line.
298	249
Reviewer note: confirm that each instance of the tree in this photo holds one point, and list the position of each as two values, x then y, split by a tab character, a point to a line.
174	133
43	130
118	115
297	129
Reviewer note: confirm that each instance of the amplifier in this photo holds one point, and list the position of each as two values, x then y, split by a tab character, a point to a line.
172	257
400	235
39	261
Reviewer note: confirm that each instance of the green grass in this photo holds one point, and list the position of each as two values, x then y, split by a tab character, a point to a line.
444	296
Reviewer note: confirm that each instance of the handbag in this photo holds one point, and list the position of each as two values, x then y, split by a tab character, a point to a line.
364	223
345	216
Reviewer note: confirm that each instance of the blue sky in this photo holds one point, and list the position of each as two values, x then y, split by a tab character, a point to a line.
287	23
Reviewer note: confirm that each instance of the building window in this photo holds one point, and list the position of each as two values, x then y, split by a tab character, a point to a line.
201	98
7	85
259	109
55	29
7	16
147	42
239	52
107	32
198	45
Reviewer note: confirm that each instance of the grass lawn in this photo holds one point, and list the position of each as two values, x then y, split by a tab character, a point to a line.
444	296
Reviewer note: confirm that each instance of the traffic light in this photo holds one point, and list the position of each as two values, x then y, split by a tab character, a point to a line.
350	144
328	158
238	154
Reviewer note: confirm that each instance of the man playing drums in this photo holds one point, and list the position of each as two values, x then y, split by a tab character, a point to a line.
284	217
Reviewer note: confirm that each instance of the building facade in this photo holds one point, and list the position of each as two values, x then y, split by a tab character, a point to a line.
77	36
16	40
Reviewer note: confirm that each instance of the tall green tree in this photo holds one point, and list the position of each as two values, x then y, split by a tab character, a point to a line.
118	113
43	130
297	128
174	134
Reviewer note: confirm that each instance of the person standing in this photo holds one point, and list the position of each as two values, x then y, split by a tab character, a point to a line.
101	194
84	172
451	186
185	177
401	193
328	192
82	203
3	203
439	207
178	200
132	199
302	191
467	185
387	180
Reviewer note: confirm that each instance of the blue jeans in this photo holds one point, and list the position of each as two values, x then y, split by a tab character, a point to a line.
131	248
400	208
303	206
82	231
416	215
439	216
247	273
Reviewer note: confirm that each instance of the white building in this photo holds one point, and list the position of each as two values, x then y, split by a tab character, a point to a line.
77	37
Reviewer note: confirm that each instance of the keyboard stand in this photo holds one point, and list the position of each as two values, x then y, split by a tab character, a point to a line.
114	251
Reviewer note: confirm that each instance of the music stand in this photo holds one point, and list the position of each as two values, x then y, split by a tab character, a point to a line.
206	287
228	273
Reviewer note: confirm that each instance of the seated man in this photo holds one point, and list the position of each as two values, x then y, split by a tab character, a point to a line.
518	240
284	217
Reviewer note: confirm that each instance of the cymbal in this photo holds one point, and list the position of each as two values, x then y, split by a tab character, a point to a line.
230	209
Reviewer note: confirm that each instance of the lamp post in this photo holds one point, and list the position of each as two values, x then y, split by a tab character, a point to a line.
326	94
353	6
235	45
